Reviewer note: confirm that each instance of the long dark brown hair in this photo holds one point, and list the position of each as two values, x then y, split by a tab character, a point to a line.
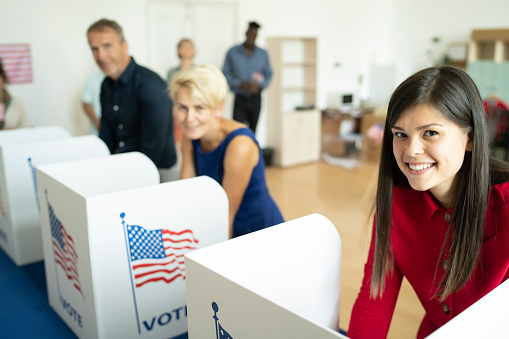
453	93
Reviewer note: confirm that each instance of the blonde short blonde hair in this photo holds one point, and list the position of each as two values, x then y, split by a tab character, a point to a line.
205	83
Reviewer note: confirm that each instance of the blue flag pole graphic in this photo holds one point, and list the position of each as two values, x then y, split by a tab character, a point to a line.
34	181
122	215
220	331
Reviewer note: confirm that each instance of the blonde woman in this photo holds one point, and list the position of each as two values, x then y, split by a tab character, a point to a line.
222	149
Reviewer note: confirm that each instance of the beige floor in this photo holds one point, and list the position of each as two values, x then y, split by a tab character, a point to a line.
345	198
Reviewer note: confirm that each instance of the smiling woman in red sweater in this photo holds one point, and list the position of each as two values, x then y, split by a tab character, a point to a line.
442	206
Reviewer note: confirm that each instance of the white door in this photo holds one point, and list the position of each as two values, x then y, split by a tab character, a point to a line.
211	25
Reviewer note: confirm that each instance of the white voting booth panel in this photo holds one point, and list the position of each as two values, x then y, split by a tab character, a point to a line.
114	241
486	318
19	136
20	234
22	135
280	282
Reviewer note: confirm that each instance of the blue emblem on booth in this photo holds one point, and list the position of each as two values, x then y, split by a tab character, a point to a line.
220	331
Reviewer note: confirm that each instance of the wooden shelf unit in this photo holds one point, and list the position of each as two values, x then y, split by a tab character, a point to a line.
489	45
293	132
488	62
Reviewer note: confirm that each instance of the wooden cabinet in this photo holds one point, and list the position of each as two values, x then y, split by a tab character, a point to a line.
488	62
293	121
489	45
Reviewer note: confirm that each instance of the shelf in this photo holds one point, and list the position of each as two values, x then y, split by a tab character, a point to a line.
303	111
306	63
299	88
489	44
293	134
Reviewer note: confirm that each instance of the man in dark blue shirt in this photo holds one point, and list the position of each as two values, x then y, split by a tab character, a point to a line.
248	72
136	109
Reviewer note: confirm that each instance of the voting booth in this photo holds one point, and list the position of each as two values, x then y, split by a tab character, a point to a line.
20	152
114	243
486	318
23	135
280	282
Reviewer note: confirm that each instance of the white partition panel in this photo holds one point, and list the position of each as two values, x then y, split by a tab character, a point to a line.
487	318
20	234
23	135
120	273
280	282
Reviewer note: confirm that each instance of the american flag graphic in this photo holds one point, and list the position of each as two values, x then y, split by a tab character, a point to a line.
17	62
63	250
158	255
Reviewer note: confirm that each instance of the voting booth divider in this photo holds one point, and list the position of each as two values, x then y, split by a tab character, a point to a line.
280	282
114	243
486	318
24	135
20	151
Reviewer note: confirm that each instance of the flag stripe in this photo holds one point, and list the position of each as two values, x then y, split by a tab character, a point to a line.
171	233
154	264
67	264
18	63
178	241
181	248
160	279
141	275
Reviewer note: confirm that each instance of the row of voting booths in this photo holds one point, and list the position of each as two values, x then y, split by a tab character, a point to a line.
115	242
125	256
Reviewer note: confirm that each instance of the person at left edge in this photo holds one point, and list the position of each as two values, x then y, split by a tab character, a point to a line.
136	110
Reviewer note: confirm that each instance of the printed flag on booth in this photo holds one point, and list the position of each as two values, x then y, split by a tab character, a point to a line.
17	63
63	250
158	255
222	333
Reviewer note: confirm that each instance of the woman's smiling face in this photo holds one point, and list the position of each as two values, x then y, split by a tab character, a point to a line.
429	150
195	118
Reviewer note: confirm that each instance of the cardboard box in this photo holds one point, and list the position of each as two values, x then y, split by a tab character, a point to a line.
333	145
371	149
369	120
332	121
341	146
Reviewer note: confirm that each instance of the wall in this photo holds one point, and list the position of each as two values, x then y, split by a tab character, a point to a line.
56	31
349	35
353	36
416	22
